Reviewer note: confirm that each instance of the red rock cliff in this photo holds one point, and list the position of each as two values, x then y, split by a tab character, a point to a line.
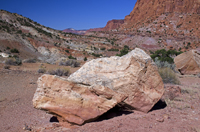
113	24
148	8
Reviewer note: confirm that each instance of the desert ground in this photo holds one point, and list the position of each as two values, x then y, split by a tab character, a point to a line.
179	110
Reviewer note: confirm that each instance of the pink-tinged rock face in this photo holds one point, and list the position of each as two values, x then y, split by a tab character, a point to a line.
113	24
148	8
134	75
188	62
75	103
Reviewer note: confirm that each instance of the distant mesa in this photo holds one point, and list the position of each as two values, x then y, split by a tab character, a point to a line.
111	25
71	30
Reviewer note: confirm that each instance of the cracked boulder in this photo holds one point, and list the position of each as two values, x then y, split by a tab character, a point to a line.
131	80
134	75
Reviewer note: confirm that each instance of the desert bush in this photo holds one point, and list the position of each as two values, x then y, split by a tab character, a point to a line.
71	62
0	51
71	57
59	72
29	61
41	70
103	48
6	67
96	55
67	51
14	50
13	61
164	55
85	59
168	75
124	51
161	64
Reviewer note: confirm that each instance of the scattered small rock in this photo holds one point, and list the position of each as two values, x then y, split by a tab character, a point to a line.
160	119
26	127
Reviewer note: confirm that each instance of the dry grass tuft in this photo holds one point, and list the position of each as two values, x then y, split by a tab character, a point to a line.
13	61
168	76
6	67
41	70
59	72
71	62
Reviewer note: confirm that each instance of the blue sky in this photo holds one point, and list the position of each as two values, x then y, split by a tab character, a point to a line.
77	14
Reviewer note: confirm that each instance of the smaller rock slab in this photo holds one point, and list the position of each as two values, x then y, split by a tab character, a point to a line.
188	63
75	103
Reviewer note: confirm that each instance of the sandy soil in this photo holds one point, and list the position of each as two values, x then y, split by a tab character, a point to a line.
17	87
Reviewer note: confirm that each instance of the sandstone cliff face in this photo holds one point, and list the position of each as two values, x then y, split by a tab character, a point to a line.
148	8
113	24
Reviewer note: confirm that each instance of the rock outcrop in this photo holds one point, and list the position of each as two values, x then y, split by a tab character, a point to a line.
188	62
75	103
113	24
149	8
131	80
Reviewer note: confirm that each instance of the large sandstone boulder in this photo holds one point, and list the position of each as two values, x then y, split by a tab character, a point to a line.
131	80
75	103
134	75
188	62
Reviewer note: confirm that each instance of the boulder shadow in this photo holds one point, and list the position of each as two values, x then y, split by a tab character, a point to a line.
114	112
159	105
53	119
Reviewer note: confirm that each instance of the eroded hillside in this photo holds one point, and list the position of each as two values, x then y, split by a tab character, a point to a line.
34	40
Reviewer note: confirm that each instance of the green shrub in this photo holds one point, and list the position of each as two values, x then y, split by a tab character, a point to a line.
14	50
168	76
85	59
96	55
124	51
0	51
103	48
7	48
164	55
19	31
67	51
71	57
